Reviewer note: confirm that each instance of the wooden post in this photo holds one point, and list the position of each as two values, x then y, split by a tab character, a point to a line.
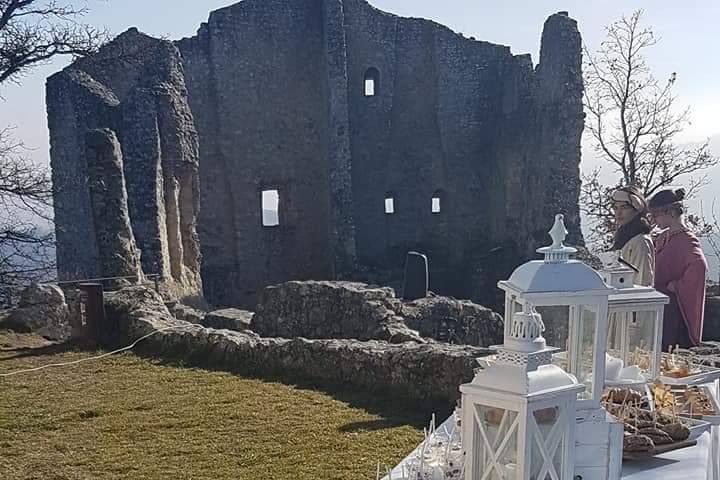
94	312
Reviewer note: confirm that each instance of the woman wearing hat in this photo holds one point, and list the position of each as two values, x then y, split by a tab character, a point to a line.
632	237
680	270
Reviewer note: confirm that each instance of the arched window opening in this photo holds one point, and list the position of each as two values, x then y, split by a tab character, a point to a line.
270	208
371	82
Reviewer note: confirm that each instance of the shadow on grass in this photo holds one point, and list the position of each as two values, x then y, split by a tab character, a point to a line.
27	352
15	344
393	406
368	426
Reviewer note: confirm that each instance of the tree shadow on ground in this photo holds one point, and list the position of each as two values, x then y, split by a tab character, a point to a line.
39	351
17	343
393	406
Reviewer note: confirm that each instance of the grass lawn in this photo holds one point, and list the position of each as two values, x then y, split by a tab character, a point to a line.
128	417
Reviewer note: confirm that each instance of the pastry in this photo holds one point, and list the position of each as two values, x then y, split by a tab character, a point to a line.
637	443
677	431
659	437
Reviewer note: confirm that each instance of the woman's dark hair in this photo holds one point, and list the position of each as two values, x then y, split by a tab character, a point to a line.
638	225
669	199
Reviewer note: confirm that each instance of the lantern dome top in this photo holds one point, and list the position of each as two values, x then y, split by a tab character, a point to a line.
556	273
538	276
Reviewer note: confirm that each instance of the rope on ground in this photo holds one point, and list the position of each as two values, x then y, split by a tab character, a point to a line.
107	354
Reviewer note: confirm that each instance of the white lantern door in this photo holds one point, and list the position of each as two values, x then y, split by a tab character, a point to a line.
495	435
550	436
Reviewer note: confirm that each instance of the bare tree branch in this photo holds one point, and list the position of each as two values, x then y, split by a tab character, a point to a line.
634	123
34	31
31	33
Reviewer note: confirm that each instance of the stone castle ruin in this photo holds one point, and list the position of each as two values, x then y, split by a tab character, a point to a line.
313	139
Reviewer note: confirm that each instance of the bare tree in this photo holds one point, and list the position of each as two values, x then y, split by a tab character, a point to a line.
32	32
633	120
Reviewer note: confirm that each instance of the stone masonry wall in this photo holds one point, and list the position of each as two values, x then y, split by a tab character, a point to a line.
269	95
135	88
416	371
257	78
355	310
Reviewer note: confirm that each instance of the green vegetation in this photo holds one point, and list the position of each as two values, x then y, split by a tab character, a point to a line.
127	417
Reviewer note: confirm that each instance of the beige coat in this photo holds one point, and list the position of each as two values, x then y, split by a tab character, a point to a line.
639	251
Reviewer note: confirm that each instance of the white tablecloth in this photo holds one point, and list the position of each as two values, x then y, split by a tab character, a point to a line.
686	464
691	463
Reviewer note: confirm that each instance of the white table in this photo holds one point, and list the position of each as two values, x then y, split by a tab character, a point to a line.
700	462
686	464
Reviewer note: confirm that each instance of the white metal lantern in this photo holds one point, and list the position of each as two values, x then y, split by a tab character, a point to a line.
635	324
573	300
519	413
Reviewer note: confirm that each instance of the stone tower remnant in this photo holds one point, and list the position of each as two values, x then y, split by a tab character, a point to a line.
321	139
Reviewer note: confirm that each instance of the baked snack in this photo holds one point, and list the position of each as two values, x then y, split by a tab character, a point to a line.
659	437
623	395
677	431
637	443
698	402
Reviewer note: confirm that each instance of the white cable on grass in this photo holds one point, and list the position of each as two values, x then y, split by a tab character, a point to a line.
119	350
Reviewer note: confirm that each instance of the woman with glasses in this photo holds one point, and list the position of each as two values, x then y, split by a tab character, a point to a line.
632	236
632	239
680	269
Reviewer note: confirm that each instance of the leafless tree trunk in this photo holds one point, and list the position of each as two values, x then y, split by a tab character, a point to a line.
634	121
32	32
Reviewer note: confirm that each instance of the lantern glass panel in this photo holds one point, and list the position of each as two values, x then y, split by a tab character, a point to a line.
575	339
557	321
548	436
582	352
631	337
495	433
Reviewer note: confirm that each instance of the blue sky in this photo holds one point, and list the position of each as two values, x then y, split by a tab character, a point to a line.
689	39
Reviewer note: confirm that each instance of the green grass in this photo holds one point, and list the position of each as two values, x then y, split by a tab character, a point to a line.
127	417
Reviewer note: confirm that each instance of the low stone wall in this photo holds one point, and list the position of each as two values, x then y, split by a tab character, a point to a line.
359	311
454	321
416	371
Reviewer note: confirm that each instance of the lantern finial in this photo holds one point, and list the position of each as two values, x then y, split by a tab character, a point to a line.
558	232
557	252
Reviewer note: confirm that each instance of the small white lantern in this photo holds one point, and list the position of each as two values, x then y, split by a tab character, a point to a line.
635	325
573	300
519	413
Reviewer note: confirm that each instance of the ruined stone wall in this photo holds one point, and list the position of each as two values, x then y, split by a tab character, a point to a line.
269	95
468	122
134	89
258	83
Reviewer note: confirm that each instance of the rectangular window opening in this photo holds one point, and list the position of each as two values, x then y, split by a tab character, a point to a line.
389	205
369	87
270	208
436	205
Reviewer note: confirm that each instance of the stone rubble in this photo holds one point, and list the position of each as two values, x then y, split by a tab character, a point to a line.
42	309
416	371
